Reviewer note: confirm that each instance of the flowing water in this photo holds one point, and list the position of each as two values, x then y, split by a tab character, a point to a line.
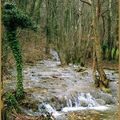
60	90
84	101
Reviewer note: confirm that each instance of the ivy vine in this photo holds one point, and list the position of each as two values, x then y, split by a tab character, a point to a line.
14	18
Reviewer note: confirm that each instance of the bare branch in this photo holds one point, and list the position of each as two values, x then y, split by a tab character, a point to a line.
86	2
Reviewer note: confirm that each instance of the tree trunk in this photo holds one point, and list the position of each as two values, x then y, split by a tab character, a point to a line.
102	82
62	58
47	27
109	31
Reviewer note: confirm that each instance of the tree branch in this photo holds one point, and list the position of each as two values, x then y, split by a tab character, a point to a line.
86	2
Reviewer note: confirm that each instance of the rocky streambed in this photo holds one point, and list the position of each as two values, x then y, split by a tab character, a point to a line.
66	93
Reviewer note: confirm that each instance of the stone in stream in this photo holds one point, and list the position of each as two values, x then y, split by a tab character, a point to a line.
114	88
79	69
100	101
57	103
108	98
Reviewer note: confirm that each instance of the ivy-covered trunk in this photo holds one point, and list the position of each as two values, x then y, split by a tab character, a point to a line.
15	47
14	18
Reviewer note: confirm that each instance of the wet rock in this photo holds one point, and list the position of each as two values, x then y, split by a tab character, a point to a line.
100	101
57	103
33	75
113	86
79	69
83	103
95	94
109	99
84	73
29	103
32	72
54	76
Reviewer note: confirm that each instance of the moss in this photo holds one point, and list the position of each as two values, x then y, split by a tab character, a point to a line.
106	90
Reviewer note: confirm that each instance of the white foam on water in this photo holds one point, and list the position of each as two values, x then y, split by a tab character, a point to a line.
55	55
51	110
100	108
84	101
69	109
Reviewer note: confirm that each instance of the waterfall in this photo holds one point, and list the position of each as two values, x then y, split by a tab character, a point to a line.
83	101
46	108
55	55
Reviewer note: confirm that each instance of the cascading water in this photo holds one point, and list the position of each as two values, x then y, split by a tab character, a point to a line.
54	55
45	108
84	101
81	102
47	80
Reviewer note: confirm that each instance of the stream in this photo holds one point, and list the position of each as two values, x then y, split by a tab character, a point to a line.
62	91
